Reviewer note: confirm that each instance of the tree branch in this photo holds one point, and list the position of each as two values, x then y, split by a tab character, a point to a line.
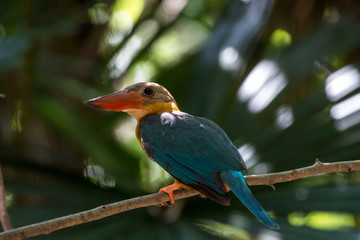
318	168
157	198
4	216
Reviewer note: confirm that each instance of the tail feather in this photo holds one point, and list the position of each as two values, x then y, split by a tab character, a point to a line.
236	182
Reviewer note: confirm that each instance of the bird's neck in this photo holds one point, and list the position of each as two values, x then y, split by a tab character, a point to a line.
156	108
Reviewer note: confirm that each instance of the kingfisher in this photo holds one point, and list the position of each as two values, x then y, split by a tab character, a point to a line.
194	150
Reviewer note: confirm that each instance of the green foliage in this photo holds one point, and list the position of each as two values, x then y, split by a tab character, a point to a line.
281	78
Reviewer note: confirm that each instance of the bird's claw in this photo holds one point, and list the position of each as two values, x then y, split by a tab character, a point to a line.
165	204
170	191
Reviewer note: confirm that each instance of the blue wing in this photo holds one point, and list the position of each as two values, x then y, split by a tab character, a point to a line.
193	150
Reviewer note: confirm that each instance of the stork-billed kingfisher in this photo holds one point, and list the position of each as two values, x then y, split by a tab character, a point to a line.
194	150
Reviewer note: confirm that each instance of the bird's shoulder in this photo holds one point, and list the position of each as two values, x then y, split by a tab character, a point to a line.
183	125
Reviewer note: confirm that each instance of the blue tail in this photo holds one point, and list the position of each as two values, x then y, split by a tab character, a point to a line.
236	182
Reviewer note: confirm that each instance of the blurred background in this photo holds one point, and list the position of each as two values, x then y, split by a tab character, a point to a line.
280	77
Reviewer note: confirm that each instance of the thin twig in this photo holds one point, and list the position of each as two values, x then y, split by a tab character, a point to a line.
158	198
4	216
318	168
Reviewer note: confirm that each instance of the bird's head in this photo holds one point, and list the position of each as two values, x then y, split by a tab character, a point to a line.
138	100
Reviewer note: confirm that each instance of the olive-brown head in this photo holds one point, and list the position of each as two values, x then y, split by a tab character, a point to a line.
138	100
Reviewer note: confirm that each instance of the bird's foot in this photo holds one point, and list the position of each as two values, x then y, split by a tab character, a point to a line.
170	191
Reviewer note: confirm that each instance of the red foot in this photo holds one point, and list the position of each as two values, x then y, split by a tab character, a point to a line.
170	191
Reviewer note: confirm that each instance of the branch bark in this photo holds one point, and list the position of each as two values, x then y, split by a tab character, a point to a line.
4	216
157	198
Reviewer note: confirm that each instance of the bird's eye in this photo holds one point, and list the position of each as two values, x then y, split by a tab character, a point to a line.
148	91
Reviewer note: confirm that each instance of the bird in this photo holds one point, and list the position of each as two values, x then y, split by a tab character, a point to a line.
193	150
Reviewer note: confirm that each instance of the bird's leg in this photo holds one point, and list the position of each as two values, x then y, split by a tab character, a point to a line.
227	187
170	191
